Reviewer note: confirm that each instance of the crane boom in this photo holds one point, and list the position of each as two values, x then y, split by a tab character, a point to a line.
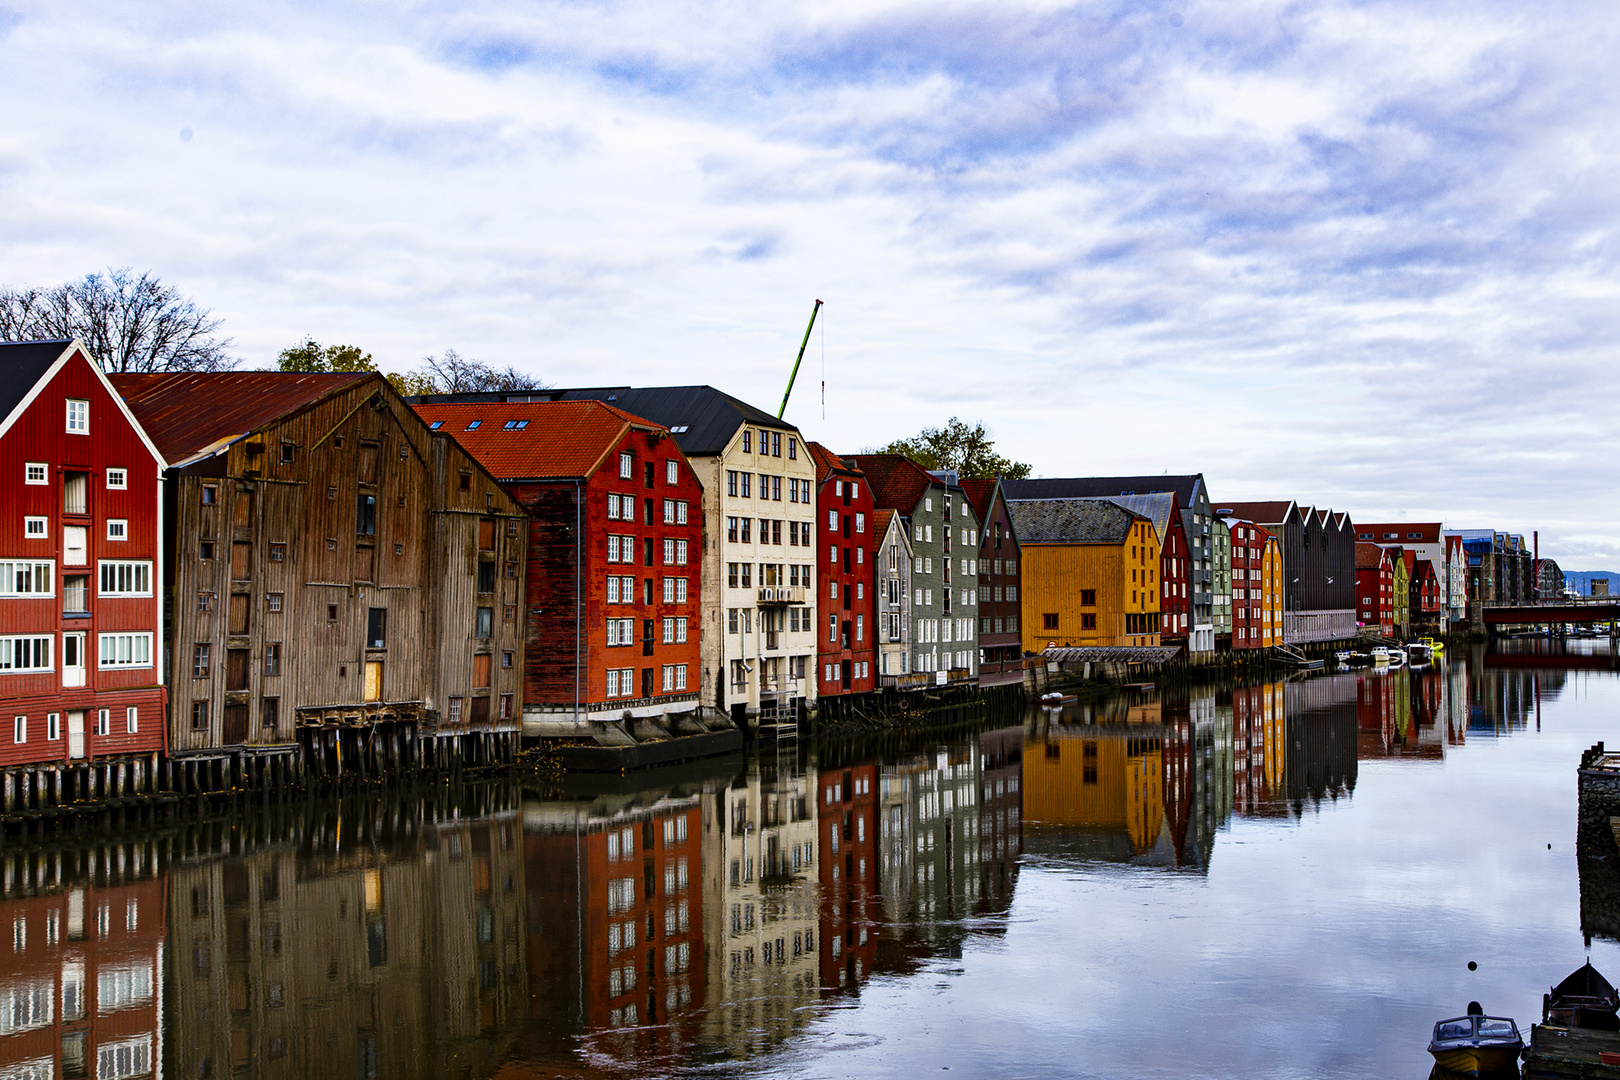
783	410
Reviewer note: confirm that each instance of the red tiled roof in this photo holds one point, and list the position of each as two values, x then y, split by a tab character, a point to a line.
896	481
979	493
828	462
189	412
558	439
1369	556
880	525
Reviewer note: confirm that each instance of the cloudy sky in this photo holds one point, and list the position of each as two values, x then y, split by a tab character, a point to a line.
1357	254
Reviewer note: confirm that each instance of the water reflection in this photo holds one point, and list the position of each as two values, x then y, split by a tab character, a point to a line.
680	920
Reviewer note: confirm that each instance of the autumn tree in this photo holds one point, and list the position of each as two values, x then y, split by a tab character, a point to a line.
312	356
969	451
128	323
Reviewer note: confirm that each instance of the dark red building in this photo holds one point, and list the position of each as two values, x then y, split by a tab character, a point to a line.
615	553
1427	601
1163	508
850	905
846	637
1248	554
81	620
1375	588
1001	648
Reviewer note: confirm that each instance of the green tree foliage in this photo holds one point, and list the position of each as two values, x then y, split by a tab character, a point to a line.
968	450
312	356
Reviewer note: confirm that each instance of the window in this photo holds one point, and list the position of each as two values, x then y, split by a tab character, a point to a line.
627	466
1088	597
118	479
103	725
124	650
485	622
131	1057
199	661
747	441
365	519
31	653
36	528
205	549
19	729
272	658
78	417
1088	622
672	473
1049	621
270	713
34	472
199	716
32	578
132	721
125	578
377	628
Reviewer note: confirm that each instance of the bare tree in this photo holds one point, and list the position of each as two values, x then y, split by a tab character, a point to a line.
128	323
453	373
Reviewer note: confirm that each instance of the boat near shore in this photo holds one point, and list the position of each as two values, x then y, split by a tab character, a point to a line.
1476	1045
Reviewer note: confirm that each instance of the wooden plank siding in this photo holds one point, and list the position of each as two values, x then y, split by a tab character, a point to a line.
364	510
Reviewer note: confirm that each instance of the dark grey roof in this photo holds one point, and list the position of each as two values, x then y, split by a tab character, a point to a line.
702	419
1155	507
1071	521
1095	487
22	365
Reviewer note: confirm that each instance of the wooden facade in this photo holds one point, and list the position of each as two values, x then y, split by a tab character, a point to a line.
892	556
337	573
1087	573
1247	556
1001	643
613	611
1375	589
81	629
846	590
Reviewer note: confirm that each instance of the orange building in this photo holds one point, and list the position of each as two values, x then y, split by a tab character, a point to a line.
1091	573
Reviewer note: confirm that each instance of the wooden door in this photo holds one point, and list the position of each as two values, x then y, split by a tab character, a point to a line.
241	560
75	544
486	534
73	663
374	680
238	622
368	462
76	734
480	711
236	670
235	725
481	666
243	514
365	561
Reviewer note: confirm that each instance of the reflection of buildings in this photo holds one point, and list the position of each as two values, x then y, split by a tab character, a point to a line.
1398	713
1104	787
1258	749
616	917
1001	814
1505	699
379	943
847	807
1320	714
930	837
81	988
763	961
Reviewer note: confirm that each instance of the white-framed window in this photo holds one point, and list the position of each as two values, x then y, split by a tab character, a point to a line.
125	577
36	528
680	631
613	589
131	1057
78	417
53	726
117	528
123	985
627	466
672	472
669	553
132	720
680	553
25	1006
118	479
36	472
669	676
103	723
19	729
124	650
669	633
30	652
33	577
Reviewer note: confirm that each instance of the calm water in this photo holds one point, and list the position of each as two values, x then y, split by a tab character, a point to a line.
1276	880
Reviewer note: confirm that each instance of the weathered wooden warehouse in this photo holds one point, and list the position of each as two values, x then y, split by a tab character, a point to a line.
341	580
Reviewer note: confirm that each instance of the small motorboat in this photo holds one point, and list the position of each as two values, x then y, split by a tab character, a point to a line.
1419	652
1436	646
1584	1000
1476	1044
1056	700
1379	656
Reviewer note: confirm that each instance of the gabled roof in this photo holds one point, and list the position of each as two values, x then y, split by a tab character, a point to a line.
896	481
1370	556
1071	521
1092	487
880	525
557	440
22	365
828	463
702	419
1157	508
1273	512
981	495
192	413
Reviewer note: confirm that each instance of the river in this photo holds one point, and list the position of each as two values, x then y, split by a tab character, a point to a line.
1278	879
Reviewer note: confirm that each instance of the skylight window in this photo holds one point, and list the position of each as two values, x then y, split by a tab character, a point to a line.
473	426
515	425
678	429
436	425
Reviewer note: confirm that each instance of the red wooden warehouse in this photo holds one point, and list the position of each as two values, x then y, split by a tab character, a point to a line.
1248	564
80	619
1375	588
615	550
846	640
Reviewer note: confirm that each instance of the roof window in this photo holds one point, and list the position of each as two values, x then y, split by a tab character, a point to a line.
436	425
472	426
514	425
678	429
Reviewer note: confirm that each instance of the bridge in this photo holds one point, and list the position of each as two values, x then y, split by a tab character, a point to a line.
1553	611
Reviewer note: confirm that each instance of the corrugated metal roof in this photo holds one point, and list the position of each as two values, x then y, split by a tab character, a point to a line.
188	413
1156	508
22	365
1112	654
1071	521
1092	487
535	440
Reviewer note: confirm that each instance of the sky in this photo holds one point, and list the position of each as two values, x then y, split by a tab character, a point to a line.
1361	255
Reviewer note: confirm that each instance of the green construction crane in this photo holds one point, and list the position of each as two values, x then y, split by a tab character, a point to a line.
780	412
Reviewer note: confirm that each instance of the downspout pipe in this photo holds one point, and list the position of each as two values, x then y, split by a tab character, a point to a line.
579	552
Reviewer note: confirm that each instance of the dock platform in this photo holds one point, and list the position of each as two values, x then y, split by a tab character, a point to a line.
1561	1053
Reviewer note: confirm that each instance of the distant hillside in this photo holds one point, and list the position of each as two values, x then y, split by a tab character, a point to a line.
1581	580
